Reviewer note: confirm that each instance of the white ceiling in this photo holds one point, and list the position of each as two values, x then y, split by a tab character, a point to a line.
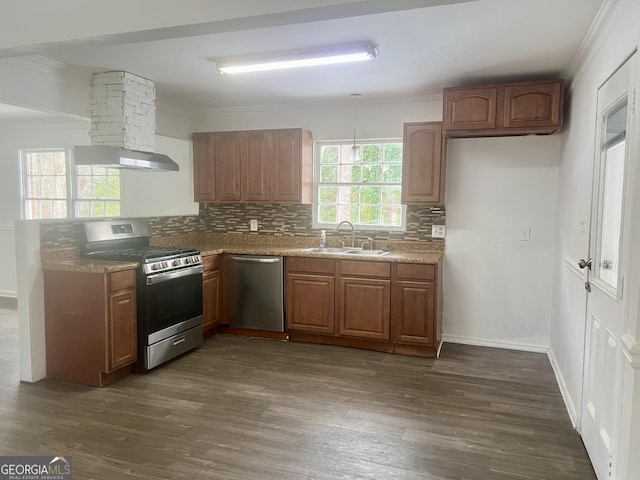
421	50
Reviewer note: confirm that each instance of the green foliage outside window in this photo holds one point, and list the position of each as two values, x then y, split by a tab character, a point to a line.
365	191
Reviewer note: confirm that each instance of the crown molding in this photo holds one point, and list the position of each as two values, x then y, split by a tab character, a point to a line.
605	22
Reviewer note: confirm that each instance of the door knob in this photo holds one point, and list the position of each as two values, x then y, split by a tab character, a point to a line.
585	263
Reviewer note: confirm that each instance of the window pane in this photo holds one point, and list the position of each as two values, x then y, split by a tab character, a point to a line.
34	187
328	214
372	174
49	187
345	154
84	208
329	173
97	209
393	153
392	174
329	154
350	174
59	208
391	195
113	209
370	215
391	216
372	153
99	187
83	170
370	195
113	187
348	212
328	195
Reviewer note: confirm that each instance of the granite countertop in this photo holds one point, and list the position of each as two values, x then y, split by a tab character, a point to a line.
242	244
211	244
68	260
403	256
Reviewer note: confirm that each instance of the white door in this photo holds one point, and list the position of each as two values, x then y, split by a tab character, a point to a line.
606	268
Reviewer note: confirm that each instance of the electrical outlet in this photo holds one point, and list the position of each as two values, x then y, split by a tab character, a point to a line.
437	231
525	234
253	225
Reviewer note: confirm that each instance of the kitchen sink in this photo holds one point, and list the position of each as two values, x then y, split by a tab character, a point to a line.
326	250
374	253
346	251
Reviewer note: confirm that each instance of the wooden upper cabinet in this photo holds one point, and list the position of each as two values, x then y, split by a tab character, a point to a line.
423	164
470	109
533	105
507	109
284	149
291	169
203	174
254	161
254	166
226	155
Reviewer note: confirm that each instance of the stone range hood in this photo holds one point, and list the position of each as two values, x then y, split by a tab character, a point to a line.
123	123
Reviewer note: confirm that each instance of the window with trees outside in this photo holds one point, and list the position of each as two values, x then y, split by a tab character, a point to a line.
366	190
54	188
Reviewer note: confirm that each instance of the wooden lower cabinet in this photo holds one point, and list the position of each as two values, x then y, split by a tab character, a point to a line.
310	292
90	325
391	307
310	303
211	292
364	302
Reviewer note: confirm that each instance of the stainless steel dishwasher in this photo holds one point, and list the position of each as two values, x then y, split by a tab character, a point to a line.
256	292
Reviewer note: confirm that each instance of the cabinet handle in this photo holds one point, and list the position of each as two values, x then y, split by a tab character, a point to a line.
178	341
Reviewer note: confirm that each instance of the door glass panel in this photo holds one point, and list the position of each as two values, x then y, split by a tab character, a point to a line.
611	193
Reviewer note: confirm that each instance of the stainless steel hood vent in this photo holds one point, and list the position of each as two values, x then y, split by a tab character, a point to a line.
118	157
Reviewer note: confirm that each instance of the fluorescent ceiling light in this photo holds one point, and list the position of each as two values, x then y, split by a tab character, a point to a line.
308	58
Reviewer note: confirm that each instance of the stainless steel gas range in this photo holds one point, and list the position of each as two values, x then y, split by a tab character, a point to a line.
169	287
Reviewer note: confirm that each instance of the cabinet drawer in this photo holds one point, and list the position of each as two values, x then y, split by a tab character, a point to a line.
315	265
122	280
212	262
416	271
368	269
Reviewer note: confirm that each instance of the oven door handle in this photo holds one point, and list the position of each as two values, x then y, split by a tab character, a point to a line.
166	276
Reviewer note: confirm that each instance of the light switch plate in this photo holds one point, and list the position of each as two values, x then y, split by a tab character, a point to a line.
253	225
437	231
525	234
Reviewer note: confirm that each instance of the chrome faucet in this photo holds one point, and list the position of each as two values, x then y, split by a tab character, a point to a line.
353	230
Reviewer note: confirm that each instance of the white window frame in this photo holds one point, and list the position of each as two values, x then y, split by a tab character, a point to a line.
71	183
317	146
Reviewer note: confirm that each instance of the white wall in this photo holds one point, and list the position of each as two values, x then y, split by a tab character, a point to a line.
497	288
148	194
377	119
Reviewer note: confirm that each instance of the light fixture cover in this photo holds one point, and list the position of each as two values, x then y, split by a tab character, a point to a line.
355	52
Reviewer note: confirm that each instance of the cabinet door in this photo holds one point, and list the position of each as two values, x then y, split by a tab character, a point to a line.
470	109
211	295
533	105
364	308
122	329
415	312
226	148
285	165
310	303
422	168
203	172
254	161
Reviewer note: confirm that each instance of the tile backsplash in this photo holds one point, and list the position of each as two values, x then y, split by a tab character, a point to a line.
282	219
273	219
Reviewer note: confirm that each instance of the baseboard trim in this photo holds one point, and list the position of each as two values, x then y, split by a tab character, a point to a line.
564	391
483	342
8	294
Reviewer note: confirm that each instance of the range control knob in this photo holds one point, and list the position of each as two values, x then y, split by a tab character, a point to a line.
176	263
187	260
155	266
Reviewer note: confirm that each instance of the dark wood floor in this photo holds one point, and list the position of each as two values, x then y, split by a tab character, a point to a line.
244	409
